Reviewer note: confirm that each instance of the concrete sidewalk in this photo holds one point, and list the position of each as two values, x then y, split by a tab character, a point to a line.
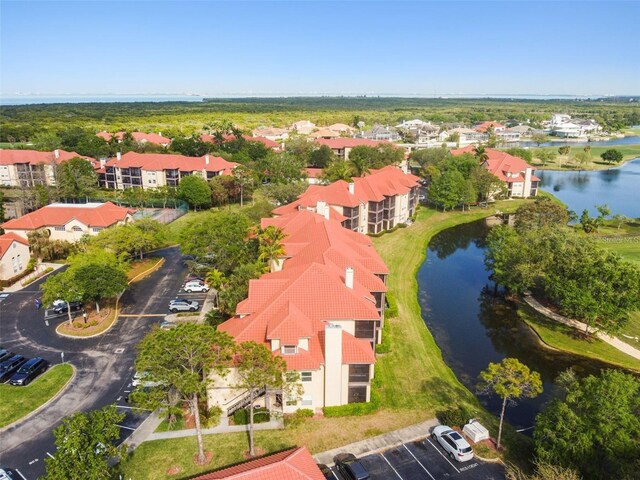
379	443
613	341
144	431
16	287
191	432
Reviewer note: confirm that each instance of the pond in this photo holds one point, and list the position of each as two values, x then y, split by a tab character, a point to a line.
473	326
617	187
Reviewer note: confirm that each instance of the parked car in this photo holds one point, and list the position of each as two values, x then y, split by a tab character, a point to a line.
5	354
195	286
350	467
8	367
60	306
141	378
453	443
28	371
183	305
7	474
422	197
326	471
166	325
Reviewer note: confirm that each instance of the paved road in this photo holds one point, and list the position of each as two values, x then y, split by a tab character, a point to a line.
104	364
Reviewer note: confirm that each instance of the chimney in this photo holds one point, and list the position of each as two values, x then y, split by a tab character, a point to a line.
322	209
102	162
352	188
160	133
118	156
206	159
56	153
333	365
348	277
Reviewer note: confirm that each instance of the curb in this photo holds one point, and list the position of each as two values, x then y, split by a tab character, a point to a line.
115	319
62	390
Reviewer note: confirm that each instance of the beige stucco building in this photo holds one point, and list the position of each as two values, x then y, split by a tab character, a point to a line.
14	255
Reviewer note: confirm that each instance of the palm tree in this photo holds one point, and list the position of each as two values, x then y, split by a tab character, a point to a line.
480	153
271	248
337	170
358	166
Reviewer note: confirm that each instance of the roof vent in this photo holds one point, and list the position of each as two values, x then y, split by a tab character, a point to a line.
352	188
348	277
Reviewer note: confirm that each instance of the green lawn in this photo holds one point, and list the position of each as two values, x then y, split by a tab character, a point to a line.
562	337
19	401
632	329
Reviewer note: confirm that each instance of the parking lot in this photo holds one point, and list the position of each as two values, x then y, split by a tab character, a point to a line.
424	459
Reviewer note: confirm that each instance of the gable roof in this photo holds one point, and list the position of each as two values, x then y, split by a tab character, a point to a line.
58	214
166	161
156	138
7	239
34	157
500	163
293	464
344	142
484	126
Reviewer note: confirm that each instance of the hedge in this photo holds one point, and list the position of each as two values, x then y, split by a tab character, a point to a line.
260	415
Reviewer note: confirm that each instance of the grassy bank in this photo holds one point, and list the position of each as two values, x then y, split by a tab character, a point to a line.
19	401
412	380
563	337
567	162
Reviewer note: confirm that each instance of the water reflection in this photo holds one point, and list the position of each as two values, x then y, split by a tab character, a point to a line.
473	324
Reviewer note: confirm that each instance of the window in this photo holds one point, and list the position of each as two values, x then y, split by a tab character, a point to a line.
76	229
365	329
96	229
15	264
359	373
289	349
19	261
307	400
358	394
59	229
306	376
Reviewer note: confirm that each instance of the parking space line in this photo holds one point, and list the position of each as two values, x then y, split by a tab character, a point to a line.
396	472
127	428
132	408
419	462
443	456
20	473
334	473
50	455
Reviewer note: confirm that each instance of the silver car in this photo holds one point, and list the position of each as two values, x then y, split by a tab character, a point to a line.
453	443
183	305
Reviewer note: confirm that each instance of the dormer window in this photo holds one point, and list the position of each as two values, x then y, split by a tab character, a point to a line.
289	349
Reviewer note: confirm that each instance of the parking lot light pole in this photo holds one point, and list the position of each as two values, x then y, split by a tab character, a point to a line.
62	357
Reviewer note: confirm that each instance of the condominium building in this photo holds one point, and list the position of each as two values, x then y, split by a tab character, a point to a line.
28	168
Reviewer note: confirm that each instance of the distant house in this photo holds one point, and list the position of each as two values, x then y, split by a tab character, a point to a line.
140	137
424	132
303	127
343	129
564	126
70	221
370	204
324	133
273	145
28	168
381	132
271	133
295	463
314	175
14	255
523	130
484	127
342	146
513	171
152	170
468	136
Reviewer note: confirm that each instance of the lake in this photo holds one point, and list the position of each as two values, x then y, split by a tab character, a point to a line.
617	187
473	327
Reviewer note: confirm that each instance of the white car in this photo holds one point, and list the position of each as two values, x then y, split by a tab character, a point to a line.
195	286
140	379
453	443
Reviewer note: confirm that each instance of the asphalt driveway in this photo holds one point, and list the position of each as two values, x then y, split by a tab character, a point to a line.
104	364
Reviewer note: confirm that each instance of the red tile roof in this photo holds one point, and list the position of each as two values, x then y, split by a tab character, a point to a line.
500	163
293	464
7	239
164	161
91	215
387	181
484	126
314	172
33	157
344	142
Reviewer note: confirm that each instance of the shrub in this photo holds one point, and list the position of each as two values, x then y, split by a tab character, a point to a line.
298	417
392	306
213	318
455	416
211	417
260	415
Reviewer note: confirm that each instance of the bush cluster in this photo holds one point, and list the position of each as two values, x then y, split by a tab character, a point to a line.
260	415
455	416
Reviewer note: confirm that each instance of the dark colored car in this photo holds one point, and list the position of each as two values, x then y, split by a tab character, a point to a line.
350	468
28	371
326	471
5	354
61	307
9	366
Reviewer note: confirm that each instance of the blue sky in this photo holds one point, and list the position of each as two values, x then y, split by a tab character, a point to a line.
317	47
